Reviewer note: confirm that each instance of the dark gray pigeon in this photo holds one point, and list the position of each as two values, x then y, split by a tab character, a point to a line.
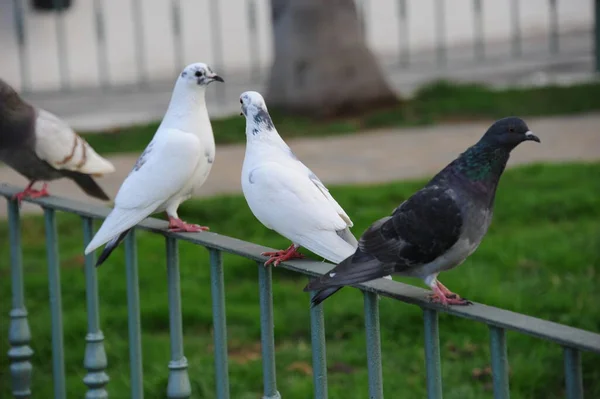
42	147
439	226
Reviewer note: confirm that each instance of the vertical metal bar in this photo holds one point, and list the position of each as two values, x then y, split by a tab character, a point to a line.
19	334
432	354
516	28
177	37
217	288
553	15
61	40
101	46
479	47
178	386
217	45
362	16
58	354
254	39
133	307
267	334
371	302
19	18
440	23
94	360
403	32
499	363
597	31
319	358
573	375
138	32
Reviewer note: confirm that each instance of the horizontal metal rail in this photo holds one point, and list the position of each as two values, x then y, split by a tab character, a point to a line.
499	321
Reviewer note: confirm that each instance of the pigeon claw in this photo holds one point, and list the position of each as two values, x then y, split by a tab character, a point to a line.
281	256
31	193
179	226
445	297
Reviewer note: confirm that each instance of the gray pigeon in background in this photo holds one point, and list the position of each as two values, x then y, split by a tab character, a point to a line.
439	226
42	147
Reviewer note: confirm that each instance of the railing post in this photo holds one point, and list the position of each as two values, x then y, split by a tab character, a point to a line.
371	303
102	52
133	319
432	354
95	361
319	358
479	47
573	375
177	39
19	334
553	14
255	40
19	18
58	352
138	42
61	41
440	23
499	363
219	323
404	60
597	31
217	45
516	28
178	386
267	335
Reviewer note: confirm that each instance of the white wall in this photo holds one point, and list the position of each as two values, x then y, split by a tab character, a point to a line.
382	34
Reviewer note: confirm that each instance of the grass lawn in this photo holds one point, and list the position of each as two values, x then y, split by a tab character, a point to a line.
437	102
540	258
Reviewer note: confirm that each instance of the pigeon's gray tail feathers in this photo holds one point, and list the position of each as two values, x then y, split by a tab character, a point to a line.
347	236
358	268
110	246
87	184
321	295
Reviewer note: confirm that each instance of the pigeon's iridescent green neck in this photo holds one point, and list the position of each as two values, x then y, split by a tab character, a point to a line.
483	162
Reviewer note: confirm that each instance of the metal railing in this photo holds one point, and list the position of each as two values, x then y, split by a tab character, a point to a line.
256	62
573	340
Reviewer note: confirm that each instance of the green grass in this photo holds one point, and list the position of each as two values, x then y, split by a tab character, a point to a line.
437	102
540	258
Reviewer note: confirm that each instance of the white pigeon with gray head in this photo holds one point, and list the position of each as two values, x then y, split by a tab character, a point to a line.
286	196
42	147
439	226
174	165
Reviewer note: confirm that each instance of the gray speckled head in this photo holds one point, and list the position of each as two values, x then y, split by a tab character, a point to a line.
255	110
199	74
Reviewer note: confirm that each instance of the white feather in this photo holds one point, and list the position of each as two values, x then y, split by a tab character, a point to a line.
174	165
57	144
286	196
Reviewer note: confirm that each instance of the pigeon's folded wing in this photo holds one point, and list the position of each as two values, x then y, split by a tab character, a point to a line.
420	230
317	182
161	172
57	144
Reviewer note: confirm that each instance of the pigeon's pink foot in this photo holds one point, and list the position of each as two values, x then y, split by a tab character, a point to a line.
441	296
29	192
179	226
447	293
281	256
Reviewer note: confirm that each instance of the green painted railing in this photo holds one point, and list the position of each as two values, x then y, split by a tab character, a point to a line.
573	340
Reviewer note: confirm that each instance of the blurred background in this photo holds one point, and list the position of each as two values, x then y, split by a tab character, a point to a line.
371	95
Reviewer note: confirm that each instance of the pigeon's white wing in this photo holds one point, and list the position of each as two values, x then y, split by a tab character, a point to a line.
162	171
57	144
331	200
289	202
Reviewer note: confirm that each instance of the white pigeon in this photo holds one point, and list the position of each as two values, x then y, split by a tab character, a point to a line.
288	197
174	165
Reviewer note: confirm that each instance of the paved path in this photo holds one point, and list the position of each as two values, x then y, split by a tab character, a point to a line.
372	157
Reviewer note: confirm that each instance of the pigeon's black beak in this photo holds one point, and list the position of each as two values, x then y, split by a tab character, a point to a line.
217	78
531	137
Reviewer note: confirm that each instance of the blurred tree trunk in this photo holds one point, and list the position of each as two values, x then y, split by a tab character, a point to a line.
322	64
